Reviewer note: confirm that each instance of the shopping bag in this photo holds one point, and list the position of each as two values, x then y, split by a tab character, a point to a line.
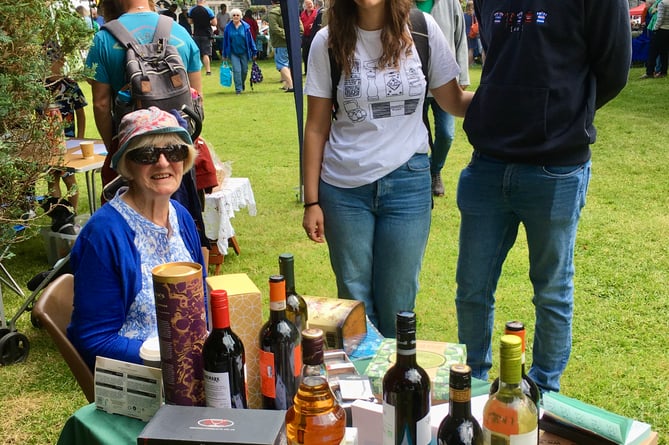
226	74
256	74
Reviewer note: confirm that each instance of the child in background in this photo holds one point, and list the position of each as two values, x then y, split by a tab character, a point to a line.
71	102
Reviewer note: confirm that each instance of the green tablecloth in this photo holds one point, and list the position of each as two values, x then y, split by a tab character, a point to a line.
90	426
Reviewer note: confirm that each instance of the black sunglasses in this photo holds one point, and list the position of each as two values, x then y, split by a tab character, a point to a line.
150	155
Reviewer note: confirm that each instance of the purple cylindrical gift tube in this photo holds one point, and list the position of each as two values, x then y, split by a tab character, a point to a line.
182	330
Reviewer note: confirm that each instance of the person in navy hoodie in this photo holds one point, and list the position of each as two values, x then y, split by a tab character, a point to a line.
549	66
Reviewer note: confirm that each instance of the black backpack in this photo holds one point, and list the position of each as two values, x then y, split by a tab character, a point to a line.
155	75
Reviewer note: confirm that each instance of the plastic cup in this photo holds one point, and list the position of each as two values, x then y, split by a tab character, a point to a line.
150	352
87	149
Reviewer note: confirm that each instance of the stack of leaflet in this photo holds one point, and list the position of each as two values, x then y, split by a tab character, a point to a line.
589	425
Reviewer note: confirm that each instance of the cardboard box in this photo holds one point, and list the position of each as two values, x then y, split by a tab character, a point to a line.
245	302
199	425
343	321
127	388
435	357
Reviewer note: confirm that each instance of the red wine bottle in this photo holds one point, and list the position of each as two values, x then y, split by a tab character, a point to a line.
296	307
280	351
406	391
223	359
459	427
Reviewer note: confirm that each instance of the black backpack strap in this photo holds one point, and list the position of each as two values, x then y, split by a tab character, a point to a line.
420	37
422	44
335	75
420	40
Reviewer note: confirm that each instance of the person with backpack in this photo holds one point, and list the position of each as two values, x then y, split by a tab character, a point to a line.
367	185
107	58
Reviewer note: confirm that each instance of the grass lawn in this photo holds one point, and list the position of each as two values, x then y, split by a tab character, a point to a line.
619	358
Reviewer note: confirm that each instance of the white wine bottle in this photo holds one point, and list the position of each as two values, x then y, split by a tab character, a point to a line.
509	416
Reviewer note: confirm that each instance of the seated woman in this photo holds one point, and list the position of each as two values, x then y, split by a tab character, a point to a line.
140	228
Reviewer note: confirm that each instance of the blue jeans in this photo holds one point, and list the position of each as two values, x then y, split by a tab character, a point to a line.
494	197
444	133
240	68
377	235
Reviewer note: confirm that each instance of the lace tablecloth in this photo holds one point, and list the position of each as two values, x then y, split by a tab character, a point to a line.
220	207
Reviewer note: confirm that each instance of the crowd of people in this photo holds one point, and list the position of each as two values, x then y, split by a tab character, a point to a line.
372	168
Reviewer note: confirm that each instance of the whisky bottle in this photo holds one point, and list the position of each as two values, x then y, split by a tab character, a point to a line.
315	417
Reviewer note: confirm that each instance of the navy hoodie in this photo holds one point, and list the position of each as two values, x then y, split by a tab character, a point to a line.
549	65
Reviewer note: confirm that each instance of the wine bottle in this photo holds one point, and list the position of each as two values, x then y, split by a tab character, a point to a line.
223	359
509	416
296	307
406	391
459	427
315	417
528	386
280	351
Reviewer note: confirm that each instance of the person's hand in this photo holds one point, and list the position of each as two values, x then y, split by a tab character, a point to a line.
312	221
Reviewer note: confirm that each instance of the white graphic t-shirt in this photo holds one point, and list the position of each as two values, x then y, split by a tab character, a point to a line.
379	123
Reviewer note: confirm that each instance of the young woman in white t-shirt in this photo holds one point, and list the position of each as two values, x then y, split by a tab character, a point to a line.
366	173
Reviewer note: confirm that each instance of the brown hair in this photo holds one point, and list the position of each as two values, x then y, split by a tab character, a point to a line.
395	36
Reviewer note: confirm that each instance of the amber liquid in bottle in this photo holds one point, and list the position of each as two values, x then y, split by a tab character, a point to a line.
459	427
280	351
296	307
315	417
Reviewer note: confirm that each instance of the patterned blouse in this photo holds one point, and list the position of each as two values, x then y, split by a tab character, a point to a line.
156	247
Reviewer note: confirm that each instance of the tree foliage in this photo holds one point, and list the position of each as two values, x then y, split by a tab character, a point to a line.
27	135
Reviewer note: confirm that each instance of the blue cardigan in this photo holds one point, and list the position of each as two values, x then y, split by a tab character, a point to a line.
250	44
107	277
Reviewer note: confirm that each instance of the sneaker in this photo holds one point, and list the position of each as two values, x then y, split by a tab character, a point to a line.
660	75
437	185
645	76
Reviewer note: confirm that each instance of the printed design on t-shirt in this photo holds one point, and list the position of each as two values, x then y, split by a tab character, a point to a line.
386	90
514	20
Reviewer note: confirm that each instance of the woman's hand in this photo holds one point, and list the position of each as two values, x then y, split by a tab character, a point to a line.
312	221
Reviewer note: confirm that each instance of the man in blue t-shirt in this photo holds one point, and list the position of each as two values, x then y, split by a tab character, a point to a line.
203	19
107	56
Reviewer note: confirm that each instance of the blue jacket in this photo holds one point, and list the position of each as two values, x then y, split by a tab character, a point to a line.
250	44
107	277
548	67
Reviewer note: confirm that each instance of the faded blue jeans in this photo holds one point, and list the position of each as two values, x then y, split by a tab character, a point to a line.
377	235
444	133
494	198
240	68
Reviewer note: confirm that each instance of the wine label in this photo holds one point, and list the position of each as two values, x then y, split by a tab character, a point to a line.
217	389
495	438
391	429
267	374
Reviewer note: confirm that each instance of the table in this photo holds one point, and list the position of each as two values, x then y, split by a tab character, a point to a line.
220	206
72	161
